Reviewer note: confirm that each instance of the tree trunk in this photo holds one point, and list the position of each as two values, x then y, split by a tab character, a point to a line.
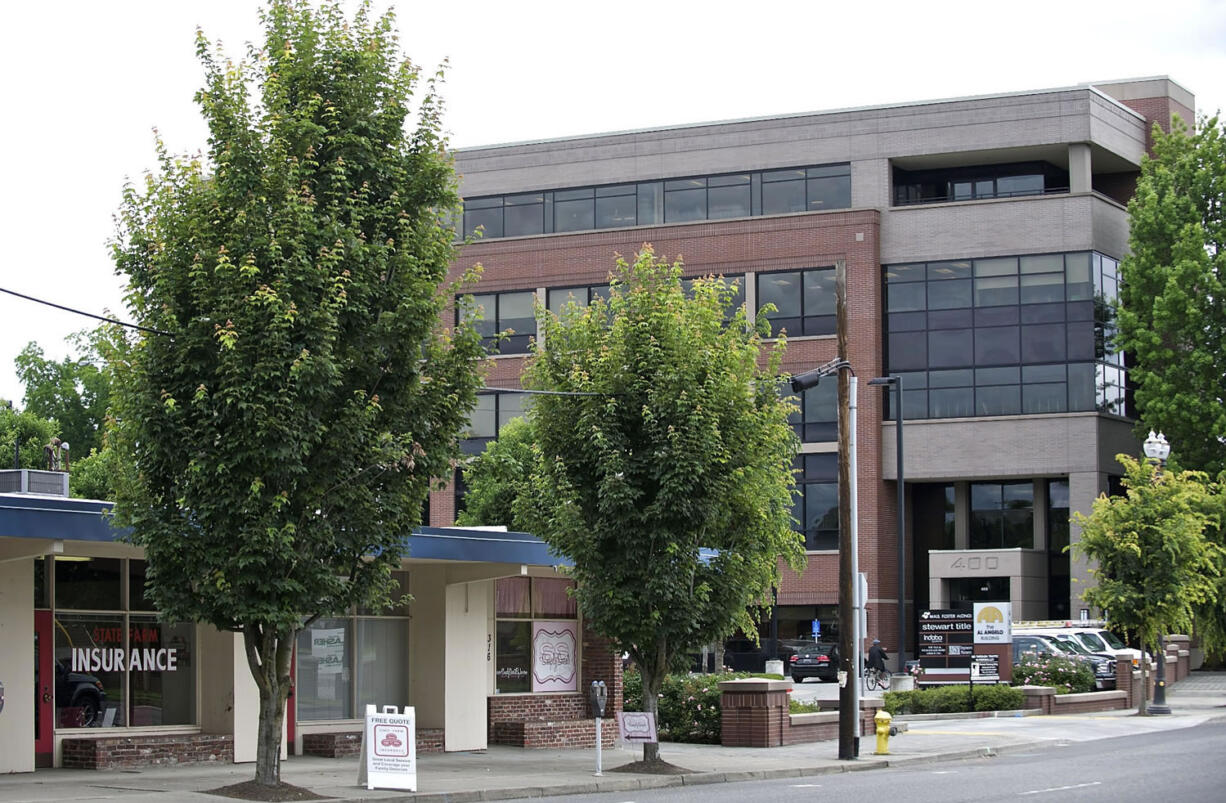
268	656
653	668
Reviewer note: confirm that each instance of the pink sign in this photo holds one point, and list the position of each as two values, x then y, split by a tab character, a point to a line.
554	656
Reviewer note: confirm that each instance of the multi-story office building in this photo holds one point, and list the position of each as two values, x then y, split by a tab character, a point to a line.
982	238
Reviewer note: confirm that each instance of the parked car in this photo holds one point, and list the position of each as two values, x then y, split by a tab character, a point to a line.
742	655
819	661
1103	666
1093	636
79	697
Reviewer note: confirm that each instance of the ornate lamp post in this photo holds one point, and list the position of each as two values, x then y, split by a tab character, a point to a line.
1157	448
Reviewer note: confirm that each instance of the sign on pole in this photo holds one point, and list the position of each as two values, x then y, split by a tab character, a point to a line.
993	623
389	749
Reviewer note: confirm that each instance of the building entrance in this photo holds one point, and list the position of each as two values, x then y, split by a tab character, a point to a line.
44	690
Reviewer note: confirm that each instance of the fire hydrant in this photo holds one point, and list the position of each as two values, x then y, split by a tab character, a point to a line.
883	732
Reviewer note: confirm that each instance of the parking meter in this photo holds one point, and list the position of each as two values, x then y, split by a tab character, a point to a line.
599	696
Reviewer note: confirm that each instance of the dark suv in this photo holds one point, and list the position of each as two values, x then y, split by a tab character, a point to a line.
819	661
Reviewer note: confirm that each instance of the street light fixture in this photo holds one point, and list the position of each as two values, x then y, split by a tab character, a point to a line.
1157	448
896	382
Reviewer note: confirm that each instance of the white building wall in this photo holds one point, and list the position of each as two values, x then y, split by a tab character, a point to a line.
17	665
469	610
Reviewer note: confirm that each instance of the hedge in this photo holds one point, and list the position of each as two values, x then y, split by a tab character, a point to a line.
1065	676
954	699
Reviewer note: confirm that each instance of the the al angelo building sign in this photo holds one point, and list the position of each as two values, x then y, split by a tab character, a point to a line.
993	622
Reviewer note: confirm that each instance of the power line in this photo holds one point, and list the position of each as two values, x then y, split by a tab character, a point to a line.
86	314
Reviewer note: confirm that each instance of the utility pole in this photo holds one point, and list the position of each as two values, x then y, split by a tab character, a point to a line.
850	638
849	649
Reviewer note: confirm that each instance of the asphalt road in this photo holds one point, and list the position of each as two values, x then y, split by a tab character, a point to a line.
1177	765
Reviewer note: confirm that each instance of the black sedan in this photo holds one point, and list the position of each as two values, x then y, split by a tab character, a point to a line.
819	661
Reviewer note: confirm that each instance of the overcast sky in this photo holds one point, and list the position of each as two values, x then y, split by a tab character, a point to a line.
87	81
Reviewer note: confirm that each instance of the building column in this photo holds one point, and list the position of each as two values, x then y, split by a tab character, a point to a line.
1083	488
17	665
1080	174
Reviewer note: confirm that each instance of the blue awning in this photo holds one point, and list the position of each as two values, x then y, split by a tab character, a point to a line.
485	546
88	520
23	516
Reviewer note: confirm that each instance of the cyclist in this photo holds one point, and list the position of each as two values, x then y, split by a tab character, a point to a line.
877	656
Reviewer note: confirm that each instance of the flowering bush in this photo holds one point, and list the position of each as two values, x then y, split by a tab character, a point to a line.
1064	675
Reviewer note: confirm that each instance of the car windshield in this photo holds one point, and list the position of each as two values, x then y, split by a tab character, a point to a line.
1071	645
1092	641
1113	640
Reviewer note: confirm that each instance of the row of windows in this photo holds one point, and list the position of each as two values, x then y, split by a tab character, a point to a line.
977	183
996	281
718	197
1013	390
804	302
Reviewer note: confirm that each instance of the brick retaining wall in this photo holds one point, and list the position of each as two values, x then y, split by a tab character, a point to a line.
349	743
754	713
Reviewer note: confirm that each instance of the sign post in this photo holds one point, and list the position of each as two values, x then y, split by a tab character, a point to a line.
993	622
389	749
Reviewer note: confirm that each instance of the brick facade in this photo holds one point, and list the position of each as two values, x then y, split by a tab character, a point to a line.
561	720
341	745
123	752
754	713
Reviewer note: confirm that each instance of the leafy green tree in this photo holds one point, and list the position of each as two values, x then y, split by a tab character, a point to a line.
1153	564
284	429
73	391
29	431
1172	316
685	446
497	476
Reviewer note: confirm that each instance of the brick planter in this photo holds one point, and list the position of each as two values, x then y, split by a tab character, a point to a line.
754	713
122	752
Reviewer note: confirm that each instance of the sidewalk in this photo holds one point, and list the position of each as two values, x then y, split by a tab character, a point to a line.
504	772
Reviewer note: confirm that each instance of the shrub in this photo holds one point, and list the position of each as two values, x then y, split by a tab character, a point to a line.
688	708
1064	675
797	707
953	699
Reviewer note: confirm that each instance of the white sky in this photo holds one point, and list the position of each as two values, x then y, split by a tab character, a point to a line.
86	81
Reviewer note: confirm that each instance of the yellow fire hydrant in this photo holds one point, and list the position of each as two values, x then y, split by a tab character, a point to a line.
883	732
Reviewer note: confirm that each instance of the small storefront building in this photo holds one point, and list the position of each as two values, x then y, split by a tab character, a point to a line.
490	648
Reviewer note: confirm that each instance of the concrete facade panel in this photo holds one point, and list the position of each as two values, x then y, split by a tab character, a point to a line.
998	448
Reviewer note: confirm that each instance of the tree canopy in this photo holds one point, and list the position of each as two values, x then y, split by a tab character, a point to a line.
498	476
683	447
29	432
1154	566
301	391
1172	316
74	391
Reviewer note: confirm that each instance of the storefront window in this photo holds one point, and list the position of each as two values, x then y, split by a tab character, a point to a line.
324	689
536	636
90	657
116	664
346	663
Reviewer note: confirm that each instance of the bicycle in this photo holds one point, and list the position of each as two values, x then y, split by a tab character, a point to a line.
875	679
